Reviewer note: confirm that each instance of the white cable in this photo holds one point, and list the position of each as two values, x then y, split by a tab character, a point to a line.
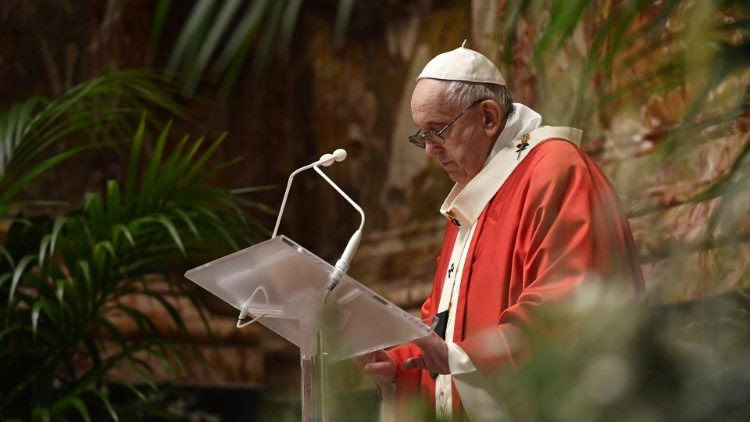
342	265
325	160
348	199
243	312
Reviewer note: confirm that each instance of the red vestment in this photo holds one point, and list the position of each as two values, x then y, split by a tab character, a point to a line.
555	223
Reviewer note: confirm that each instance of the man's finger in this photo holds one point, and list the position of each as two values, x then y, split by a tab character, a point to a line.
361	361
381	371
429	362
413	363
372	357
426	341
375	367
381	356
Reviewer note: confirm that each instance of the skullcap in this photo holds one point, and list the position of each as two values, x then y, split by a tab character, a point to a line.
462	64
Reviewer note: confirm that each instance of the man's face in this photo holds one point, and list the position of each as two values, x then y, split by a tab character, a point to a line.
466	143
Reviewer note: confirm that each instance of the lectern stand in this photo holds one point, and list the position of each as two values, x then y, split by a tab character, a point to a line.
283	286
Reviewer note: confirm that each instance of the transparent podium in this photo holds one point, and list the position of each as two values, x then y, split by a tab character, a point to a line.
283	286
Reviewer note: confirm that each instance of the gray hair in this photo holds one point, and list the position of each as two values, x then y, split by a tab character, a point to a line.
465	93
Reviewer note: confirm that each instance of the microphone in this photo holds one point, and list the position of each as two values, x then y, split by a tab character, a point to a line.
325	160
328	159
342	265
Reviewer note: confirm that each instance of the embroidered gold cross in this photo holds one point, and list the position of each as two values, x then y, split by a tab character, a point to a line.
452	218
522	145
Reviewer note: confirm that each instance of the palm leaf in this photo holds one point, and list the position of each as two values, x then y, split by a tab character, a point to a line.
12	187
93	109
63	406
107	404
17	273
342	19
234	56
85	267
133	169
219	25
218	38
161	12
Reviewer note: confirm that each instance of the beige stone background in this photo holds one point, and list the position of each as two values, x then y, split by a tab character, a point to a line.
322	95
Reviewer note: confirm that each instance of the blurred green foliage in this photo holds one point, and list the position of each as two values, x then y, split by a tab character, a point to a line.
599	357
72	274
218	38
639	49
100	112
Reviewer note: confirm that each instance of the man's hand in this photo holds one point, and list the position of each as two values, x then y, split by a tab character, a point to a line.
382	368
434	355
378	365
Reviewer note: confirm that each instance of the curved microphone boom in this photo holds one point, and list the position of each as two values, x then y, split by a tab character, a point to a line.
325	160
342	265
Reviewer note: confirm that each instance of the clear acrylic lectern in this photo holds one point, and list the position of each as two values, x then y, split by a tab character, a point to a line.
283	286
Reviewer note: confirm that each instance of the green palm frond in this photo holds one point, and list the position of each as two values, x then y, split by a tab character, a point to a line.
219	38
39	134
70	290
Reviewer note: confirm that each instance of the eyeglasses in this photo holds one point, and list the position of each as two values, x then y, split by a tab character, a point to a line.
420	139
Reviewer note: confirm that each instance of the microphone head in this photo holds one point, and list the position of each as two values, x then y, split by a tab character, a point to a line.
326	160
339	154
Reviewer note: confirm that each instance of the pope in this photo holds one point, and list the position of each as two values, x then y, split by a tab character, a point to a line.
530	219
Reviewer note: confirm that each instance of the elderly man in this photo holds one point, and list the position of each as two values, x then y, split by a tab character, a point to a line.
530	218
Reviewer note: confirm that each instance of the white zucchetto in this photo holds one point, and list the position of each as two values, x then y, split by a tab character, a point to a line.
462	64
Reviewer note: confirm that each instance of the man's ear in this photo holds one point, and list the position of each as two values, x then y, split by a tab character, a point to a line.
491	117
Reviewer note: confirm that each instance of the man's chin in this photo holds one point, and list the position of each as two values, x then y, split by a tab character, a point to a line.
457	177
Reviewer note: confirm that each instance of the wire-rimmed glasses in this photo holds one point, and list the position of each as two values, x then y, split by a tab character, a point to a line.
420	139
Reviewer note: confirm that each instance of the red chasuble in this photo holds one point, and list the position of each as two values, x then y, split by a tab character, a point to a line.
555	223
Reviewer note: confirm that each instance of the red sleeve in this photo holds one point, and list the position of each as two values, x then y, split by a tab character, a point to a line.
407	382
553	248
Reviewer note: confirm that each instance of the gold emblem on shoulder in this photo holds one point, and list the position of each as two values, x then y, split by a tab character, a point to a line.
452	218
522	145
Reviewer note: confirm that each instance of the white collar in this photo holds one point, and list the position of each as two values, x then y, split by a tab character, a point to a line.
465	202
522	120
